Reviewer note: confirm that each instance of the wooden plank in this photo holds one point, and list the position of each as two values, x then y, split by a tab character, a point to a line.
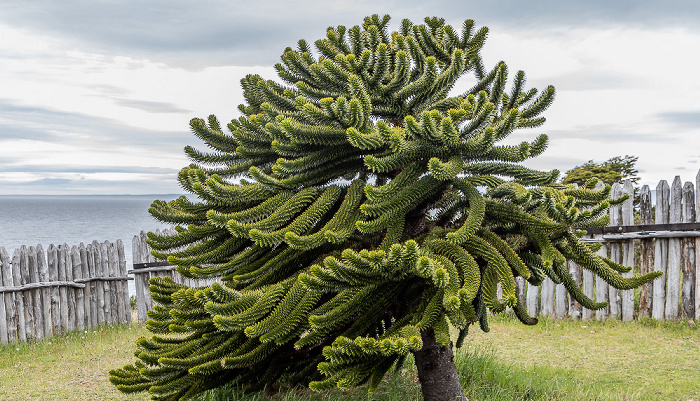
99	286
52	256
547	297
673	272
574	306
106	287
94	298
140	279
124	291
561	303
614	229
646	250
79	292
615	252
19	297
589	291
87	291
533	297
660	252
137	272
688	251
8	328
63	291
41	285
28	295
645	235
33	267
697	248
112	263
45	292
601	289
627	305
521	290
70	291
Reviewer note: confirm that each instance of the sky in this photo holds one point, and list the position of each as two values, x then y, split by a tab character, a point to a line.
96	96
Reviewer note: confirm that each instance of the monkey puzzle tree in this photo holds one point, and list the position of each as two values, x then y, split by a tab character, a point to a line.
375	217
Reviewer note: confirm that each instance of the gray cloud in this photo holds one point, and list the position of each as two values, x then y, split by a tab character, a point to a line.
30	168
681	119
605	133
151	107
39	123
76	187
197	34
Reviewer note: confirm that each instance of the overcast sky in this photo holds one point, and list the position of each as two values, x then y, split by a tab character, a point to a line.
95	96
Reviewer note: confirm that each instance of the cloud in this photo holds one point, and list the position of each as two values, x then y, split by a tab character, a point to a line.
681	119
23	122
603	133
196	34
151	107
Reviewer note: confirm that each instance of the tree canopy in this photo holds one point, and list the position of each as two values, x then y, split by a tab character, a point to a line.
359	211
610	171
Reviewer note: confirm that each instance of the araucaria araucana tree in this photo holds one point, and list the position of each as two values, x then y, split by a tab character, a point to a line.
358	212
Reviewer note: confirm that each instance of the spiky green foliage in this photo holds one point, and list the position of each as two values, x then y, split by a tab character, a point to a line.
356	202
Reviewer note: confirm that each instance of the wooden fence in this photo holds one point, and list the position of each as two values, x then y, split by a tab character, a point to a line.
43	294
145	266
668	242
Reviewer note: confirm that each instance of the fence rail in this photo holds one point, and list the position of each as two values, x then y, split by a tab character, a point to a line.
667	240
62	289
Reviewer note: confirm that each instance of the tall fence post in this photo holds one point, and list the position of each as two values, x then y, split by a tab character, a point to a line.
646	251
615	252
688	250
697	247
627	312
673	272
660	252
7	304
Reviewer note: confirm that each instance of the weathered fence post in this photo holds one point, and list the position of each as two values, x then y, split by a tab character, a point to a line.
8	330
33	268
689	269
660	252
63	291
697	247
46	325
143	295
601	288
126	301
628	251
79	292
673	274
547	295
88	298
55	294
615	251
70	291
646	250
574	306
19	298
99	285
533	297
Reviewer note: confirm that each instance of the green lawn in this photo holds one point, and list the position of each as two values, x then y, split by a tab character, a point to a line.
555	360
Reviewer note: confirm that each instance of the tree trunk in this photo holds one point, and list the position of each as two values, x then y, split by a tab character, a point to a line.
437	371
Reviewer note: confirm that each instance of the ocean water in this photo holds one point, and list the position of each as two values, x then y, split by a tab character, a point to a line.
45	220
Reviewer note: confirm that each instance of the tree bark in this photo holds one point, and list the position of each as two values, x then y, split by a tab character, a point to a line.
437	372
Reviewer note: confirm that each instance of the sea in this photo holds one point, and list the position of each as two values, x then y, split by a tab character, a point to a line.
31	220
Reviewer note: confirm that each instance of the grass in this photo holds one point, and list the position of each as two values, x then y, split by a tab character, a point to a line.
70	367
555	360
